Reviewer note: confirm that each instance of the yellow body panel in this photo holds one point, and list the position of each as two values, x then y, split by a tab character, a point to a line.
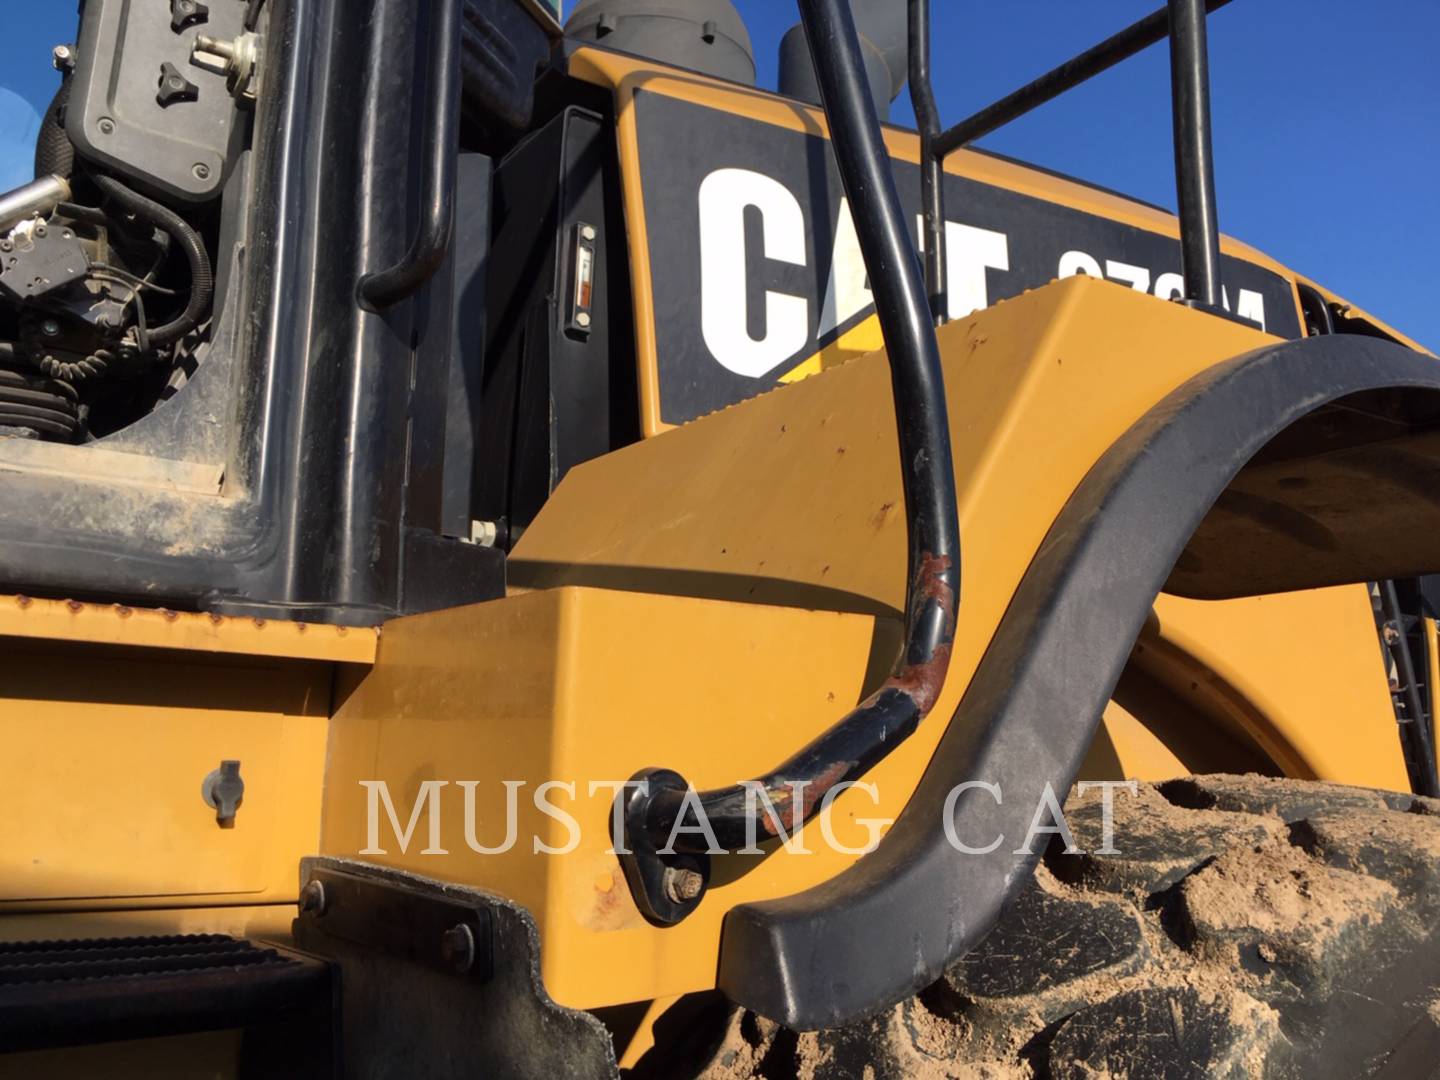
1300	673
785	502
106	749
707	600
582	685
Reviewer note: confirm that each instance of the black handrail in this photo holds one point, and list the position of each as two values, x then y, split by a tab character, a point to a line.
737	816
1134	38
381	289
1194	163
1190	97
932	169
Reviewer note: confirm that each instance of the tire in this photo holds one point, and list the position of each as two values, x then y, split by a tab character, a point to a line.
1246	927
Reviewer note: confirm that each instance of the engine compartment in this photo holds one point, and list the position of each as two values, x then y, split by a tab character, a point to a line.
107	259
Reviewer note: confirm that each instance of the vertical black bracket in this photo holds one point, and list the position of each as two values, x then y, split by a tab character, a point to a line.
1407	667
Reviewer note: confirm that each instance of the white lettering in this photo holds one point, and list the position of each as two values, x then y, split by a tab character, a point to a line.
724	195
378	791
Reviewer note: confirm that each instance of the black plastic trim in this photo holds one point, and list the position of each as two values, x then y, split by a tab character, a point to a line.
891	924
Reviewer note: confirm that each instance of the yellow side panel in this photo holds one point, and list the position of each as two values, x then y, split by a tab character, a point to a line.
794	497
791	500
1300	673
581	685
670	626
105	753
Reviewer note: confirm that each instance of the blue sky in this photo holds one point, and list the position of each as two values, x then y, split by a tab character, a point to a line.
1326	113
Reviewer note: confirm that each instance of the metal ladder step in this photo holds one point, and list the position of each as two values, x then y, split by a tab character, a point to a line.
76	992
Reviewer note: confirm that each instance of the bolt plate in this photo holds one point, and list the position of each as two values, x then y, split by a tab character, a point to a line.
399	921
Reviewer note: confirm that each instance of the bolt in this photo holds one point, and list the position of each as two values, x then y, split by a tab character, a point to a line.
683	885
61	57
7	244
107	126
50	328
312	899
587	232
205	43
201	171
582	319
40	229
457	946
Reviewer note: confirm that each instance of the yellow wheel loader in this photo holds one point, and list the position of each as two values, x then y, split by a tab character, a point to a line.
524	555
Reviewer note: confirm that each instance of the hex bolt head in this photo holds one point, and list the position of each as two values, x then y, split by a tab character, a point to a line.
62	56
50	328
582	318
682	884
587	232
312	899
457	946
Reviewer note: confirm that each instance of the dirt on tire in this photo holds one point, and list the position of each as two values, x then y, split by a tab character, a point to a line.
1245	927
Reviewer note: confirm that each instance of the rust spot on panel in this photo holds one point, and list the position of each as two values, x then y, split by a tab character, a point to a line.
259	623
301	627
610	906
341	631
75	606
23	602
124	612
216	619
878	518
168	615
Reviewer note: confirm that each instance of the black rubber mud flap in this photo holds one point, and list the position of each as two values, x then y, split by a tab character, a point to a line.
892	923
438	979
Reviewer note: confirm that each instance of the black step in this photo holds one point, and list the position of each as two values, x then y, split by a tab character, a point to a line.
70	993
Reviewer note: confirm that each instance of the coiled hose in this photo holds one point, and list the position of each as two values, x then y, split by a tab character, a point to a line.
33	402
202	280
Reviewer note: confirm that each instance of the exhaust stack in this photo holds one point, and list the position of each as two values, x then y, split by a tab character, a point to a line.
707	36
884	47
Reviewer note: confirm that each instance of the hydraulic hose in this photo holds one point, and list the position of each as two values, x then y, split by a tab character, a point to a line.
54	152
202	280
736	816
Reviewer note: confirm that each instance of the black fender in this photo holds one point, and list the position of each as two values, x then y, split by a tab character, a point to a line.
890	924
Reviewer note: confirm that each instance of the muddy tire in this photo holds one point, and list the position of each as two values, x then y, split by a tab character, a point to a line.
1245	927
